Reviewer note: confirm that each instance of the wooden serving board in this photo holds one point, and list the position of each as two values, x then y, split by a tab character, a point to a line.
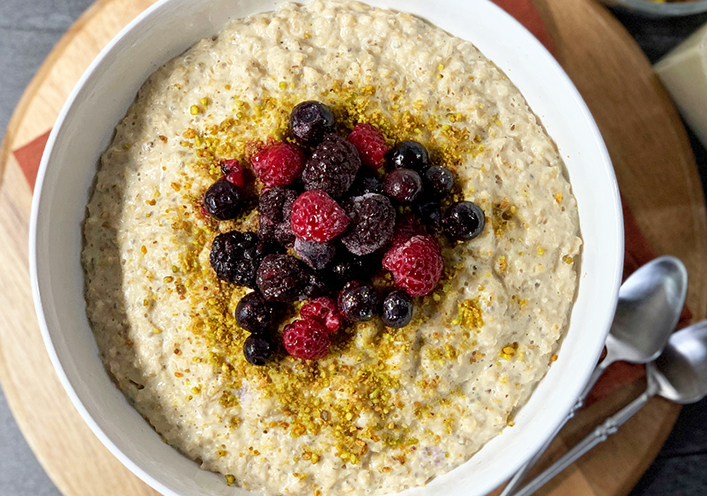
654	165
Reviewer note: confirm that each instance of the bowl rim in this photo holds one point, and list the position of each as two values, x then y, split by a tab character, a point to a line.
613	197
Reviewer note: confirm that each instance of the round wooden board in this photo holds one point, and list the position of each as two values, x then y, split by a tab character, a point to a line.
654	165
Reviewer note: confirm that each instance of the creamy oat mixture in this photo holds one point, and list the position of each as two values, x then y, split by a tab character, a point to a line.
387	409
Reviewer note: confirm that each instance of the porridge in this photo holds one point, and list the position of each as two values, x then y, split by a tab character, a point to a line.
381	400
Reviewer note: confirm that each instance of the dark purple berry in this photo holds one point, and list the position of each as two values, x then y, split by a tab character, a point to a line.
332	167
438	182
223	200
430	213
282	278
372	223
464	221
366	182
255	315
347	267
409	155
403	185
320	283
275	206
358	301
258	350
397	309
235	257
310	121
316	255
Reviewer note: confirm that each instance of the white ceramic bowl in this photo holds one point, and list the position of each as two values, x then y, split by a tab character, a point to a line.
100	100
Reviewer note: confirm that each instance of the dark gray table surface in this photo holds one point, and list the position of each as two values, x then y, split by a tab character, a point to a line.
28	31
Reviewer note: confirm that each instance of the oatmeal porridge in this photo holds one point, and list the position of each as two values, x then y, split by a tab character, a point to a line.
388	399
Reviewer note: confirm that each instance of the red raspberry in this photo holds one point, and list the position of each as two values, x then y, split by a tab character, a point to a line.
279	164
370	145
317	217
323	310
306	338
416	265
406	226
233	170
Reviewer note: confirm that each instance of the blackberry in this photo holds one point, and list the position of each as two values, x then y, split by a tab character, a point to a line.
254	314
464	221
358	301
310	121
397	309
316	255
258	350
332	167
438	182
275	206
372	223
223	200
409	155
235	257
282	278
403	185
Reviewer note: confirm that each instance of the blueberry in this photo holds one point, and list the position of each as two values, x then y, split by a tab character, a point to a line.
403	185
310	121
223	200
464	221
258	350
409	155
347	267
255	315
358	301
430	212
365	182
235	257
438	181
316	255
397	309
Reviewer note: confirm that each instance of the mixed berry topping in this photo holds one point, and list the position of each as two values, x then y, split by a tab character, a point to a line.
317	217
310	121
331	221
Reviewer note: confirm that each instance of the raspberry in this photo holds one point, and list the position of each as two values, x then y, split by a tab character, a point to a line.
372	222
282	278
306	338
274	206
323	310
370	144
416	265
407	226
233	170
235	257
332	167
317	217
279	164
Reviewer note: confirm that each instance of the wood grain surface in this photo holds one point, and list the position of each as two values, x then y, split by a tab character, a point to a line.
654	166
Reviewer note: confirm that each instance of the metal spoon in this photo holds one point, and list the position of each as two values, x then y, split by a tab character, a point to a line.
679	375
649	307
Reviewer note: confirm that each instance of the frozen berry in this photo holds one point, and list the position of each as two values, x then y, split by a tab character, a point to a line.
235	257
370	144
397	309
372	223
223	200
254	314
274	206
310	121
430	213
403	185
325	311
347	267
406	226
332	167
320	283
279	164
233	172
258	350
306	338
282	278
358	301
366	182
316	255
464	221
317	217
438	182
410	155
416	265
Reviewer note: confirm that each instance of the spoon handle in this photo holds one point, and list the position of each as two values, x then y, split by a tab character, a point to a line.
523	471
600	434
